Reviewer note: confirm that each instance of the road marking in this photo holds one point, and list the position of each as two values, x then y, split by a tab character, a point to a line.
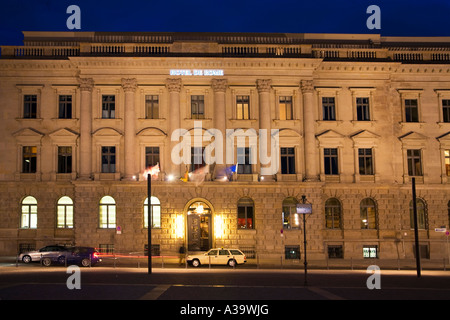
156	292
325	294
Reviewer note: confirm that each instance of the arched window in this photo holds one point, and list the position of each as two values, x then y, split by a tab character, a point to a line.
245	213
107	213
156	212
64	213
291	219
368	212
333	214
28	219
421	214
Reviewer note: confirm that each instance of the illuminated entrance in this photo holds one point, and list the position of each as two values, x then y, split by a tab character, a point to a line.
199	226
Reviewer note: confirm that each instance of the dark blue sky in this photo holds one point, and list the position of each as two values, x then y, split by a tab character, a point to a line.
398	17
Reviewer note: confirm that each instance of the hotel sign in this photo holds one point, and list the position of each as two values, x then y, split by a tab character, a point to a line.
196	72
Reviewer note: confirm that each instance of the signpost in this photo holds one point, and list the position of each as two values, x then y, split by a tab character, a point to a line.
304	209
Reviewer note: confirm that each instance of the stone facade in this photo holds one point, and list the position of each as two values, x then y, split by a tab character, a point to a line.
264	68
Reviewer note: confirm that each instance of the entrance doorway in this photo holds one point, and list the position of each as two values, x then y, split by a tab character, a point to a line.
199	227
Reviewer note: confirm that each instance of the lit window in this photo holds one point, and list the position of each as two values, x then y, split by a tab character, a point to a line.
156	212
243	107
370	252
291	219
285	106
368	213
28	218
333	214
107	213
245	213
64	218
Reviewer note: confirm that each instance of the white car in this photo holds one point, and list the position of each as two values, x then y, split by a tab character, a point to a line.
218	256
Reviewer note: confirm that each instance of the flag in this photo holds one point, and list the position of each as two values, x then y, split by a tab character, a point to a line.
153	171
198	176
186	176
231	171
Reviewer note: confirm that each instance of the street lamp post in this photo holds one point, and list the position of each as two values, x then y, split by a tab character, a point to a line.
150	172
304	209
149	219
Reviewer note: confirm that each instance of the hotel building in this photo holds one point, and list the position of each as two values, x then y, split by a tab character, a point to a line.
83	114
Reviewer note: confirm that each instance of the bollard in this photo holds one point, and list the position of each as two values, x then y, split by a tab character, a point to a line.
162	262
209	259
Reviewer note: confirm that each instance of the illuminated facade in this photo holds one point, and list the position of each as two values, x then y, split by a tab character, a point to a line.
84	114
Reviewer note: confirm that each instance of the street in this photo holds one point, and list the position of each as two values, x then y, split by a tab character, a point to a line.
218	283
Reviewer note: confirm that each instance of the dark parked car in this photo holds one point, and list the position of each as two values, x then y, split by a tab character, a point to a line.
84	256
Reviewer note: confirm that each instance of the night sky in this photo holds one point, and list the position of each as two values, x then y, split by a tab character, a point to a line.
398	17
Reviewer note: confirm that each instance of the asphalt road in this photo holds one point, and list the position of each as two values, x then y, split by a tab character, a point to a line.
99	283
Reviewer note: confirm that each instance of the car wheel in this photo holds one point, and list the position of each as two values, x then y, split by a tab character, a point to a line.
86	262
232	263
26	259
195	263
46	262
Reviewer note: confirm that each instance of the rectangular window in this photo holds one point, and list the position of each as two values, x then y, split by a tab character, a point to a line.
285	106
64	159
335	252
151	156
243	160
197	159
29	159
414	162
30	106
447	162
411	110
245	217
328	108
292	252
197	107
370	252
362	109
108	159
65	107
446	110
287	160
243	107
152	107
365	161
108	106
331	161
106	248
